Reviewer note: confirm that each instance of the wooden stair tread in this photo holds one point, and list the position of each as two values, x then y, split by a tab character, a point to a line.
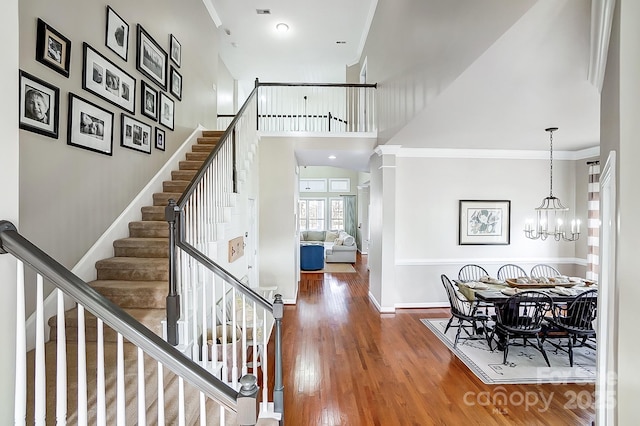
138	262
137	241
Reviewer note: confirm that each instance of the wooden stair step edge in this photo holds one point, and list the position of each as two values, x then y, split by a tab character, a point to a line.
212	133
133	269
208	140
199	148
190	165
183	174
197	156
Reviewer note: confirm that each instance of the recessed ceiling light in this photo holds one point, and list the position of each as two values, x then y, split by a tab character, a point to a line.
341	42
332	157
282	27
263	11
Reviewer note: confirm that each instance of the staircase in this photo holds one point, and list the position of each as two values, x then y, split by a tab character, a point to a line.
136	279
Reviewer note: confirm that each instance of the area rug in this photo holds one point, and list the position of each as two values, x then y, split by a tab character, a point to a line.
334	268
525	365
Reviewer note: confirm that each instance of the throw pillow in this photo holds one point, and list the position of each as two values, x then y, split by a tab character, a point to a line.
302	236
331	236
315	236
349	240
338	242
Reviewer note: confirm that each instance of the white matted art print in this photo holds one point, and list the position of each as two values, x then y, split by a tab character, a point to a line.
89	126
136	135
484	222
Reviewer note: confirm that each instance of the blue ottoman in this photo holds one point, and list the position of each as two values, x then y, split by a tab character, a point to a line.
311	257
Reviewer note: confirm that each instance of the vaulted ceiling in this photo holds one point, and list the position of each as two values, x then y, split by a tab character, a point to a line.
520	65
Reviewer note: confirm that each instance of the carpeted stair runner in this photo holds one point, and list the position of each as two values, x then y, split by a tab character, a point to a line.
136	279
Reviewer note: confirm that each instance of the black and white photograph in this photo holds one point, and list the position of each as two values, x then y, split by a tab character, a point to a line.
136	135
105	79
149	101
176	50
89	126
117	34
151	59
166	111
160	139
53	49
38	105
176	84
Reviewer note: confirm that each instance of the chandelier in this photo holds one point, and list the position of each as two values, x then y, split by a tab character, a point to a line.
551	215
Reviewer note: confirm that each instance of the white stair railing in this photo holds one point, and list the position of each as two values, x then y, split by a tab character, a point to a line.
97	376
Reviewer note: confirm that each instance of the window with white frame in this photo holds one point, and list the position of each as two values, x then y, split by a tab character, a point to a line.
336	213
312	214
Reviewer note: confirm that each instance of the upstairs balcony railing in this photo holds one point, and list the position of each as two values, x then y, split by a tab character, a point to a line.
314	107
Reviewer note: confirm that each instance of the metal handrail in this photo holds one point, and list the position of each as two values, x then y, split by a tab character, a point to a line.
116	318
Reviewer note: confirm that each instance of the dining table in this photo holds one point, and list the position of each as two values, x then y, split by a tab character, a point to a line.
493	292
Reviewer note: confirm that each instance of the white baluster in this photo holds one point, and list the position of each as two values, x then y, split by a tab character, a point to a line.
181	412
142	410
160	402
61	362
203	409
120	396
205	344
20	406
82	368
40	391
101	400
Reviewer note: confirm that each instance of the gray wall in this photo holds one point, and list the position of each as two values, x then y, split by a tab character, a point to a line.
68	195
9	193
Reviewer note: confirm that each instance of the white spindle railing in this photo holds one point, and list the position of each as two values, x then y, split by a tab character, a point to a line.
343	108
118	395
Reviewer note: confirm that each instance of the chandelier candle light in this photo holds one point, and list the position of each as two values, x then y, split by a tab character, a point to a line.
550	216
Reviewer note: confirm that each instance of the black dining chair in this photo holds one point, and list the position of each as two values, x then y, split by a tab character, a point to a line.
575	321
464	311
542	270
471	273
521	316
511	271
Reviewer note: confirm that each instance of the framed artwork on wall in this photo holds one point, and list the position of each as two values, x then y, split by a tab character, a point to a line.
166	111
160	139
136	135
176	50
175	86
149	101
484	222
117	34
106	80
89	126
38	105
53	49
151	59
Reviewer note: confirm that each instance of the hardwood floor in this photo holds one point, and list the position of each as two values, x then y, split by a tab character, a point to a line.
347	364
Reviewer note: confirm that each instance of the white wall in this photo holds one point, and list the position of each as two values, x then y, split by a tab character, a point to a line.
427	219
69	195
9	194
279	242
620	129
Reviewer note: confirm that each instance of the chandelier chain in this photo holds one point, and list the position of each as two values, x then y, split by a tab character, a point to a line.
551	164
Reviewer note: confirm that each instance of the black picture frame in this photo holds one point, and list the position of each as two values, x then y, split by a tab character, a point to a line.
149	101
89	126
166	111
134	134
108	81
484	222
175	86
38	105
117	34
176	50
52	48
161	139
151	59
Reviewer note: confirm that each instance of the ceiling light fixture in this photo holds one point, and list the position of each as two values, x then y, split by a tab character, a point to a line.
282	27
332	157
551	213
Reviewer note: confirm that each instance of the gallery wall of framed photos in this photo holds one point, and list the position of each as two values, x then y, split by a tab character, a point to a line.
75	153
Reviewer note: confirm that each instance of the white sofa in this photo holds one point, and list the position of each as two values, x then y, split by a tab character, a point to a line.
339	247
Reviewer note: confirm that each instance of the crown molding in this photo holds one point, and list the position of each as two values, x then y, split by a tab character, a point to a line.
601	19
498	154
213	13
